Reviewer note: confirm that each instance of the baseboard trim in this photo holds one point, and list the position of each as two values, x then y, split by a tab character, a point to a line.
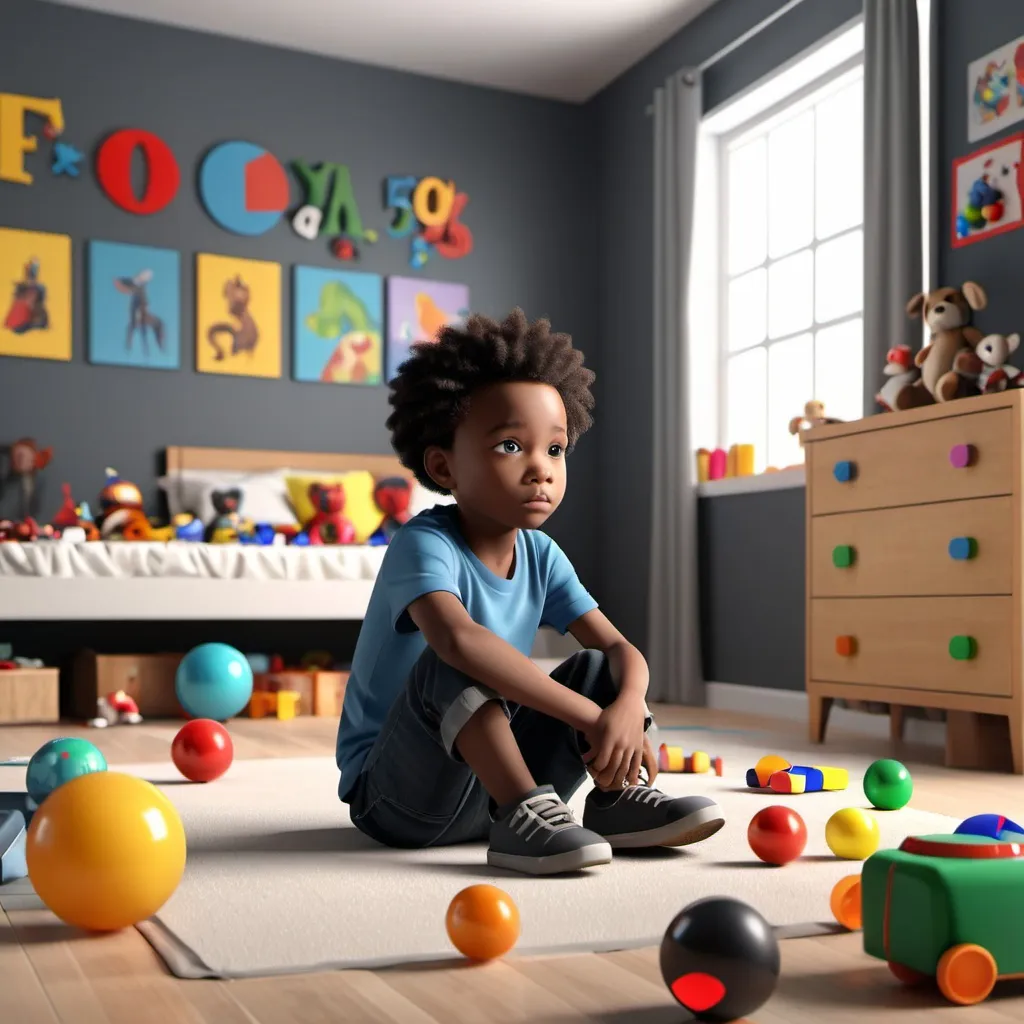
791	705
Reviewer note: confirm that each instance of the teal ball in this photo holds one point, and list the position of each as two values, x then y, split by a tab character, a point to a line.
888	785
58	761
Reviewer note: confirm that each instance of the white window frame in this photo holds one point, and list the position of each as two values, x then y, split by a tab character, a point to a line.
846	71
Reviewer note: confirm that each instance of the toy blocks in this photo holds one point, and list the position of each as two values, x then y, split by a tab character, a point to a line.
672	759
778	775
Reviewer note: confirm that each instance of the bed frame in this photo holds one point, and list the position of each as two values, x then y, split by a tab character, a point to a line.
34	599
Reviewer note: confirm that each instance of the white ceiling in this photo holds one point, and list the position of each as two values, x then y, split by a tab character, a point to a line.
561	49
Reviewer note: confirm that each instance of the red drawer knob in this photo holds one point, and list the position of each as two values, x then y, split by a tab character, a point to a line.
846	646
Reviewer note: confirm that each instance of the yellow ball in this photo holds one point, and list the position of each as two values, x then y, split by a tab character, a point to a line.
105	851
852	833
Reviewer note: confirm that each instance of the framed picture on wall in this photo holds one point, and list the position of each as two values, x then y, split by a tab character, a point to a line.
995	90
36	312
987	191
417	310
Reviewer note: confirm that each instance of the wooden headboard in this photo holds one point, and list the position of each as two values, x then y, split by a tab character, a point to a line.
247	460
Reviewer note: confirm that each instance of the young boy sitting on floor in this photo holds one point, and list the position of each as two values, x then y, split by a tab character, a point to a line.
449	732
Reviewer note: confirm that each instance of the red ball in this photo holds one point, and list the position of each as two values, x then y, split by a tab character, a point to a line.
202	751
777	834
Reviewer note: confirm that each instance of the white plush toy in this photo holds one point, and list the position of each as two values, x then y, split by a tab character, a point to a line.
994	350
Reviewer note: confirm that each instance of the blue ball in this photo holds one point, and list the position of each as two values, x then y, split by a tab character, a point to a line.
58	761
993	826
213	681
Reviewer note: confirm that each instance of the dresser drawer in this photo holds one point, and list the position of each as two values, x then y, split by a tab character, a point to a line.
967	456
957	547
928	643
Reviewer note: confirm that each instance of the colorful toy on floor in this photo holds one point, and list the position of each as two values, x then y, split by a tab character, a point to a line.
202	750
58	761
852	833
777	834
672	759
105	851
213	681
482	922
888	785
946	907
281	704
759	776
12	846
779	775
993	826
844	902
720	959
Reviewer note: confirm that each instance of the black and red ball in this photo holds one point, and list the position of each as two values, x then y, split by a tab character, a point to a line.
720	959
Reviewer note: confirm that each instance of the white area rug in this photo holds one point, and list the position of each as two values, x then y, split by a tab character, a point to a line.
279	881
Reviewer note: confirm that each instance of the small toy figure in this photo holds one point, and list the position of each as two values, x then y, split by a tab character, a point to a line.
24	460
392	496
118	494
328	525
115	709
900	372
228	523
25	531
814	416
997	374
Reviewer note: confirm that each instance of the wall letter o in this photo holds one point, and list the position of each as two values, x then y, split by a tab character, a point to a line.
114	171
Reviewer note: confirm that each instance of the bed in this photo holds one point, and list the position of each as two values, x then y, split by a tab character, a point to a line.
143	580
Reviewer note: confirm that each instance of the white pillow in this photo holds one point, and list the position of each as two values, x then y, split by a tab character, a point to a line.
264	495
422	499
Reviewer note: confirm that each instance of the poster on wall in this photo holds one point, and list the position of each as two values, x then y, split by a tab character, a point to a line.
337	330
238	316
995	90
987	191
36	269
417	310
134	306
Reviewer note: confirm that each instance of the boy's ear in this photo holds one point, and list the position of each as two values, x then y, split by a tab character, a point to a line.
436	464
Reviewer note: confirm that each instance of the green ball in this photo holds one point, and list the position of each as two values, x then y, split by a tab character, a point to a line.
888	785
59	761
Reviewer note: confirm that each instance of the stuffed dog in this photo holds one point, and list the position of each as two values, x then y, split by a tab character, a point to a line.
947	361
998	374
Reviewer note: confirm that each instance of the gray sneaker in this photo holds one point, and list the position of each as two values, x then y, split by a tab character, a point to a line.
539	836
639	816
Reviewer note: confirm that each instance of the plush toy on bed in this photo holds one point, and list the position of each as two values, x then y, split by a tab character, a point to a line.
328	525
393	495
228	523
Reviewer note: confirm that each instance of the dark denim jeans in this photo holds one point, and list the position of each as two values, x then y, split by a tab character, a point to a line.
415	790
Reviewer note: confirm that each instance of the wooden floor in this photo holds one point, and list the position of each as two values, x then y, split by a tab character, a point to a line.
51	973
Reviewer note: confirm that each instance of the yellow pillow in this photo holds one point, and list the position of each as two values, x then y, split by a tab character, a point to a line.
359	504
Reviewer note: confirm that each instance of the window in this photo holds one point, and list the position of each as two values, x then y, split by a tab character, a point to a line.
790	264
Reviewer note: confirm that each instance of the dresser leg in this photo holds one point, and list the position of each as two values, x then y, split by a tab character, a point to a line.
1017	742
896	722
817	716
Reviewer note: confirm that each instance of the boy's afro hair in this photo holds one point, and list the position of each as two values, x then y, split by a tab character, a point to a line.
432	390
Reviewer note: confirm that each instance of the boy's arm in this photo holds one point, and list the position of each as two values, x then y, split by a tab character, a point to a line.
482	655
628	666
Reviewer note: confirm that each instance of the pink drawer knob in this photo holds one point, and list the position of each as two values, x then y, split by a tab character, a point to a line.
961	455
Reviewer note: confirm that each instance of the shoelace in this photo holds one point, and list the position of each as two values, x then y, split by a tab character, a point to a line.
646	795
545	810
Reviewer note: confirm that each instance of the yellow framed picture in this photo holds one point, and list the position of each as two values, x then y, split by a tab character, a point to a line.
238	316
35	268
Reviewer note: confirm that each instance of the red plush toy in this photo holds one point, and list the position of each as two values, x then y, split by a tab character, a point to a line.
328	525
392	496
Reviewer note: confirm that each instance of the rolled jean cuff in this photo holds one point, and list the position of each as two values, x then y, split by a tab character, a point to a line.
461	710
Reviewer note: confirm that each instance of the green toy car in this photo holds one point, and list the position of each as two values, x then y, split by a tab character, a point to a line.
947	907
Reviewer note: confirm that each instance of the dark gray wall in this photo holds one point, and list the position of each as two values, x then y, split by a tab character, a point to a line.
527	164
752	606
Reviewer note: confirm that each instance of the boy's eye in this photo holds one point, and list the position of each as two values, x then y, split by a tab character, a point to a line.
556	451
508	447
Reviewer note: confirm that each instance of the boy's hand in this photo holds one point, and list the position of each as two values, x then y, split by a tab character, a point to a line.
617	743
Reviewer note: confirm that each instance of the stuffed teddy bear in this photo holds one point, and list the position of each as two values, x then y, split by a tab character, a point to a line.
947	361
901	372
814	416
392	496
328	525
227	522
994	351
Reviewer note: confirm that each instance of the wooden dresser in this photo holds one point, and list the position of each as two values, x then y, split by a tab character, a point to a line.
914	572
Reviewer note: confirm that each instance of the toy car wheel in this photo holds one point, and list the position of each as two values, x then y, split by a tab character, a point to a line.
966	974
906	975
845	902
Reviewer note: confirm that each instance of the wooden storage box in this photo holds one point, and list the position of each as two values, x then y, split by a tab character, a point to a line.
147	678
320	693
29	695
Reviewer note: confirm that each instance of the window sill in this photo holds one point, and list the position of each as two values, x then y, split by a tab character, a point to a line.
782	480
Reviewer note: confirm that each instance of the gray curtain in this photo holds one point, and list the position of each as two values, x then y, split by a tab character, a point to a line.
892	184
673	642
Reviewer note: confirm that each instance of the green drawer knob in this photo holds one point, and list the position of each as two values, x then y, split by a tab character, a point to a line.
963	648
843	556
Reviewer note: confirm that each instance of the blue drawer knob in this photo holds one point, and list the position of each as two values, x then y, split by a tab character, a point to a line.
844	471
963	548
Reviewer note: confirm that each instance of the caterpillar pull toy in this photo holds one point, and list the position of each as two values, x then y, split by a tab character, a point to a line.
672	759
778	775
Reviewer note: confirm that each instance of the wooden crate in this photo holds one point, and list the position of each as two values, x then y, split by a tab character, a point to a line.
147	678
320	693
29	695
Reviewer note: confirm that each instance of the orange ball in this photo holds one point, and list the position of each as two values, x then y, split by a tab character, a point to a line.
482	922
845	902
777	834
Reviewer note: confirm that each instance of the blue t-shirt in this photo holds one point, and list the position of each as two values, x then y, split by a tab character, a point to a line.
430	554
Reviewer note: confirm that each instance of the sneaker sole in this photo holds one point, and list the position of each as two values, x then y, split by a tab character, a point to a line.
559	863
694	828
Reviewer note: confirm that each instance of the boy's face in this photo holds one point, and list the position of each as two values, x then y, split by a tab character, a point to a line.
507	462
